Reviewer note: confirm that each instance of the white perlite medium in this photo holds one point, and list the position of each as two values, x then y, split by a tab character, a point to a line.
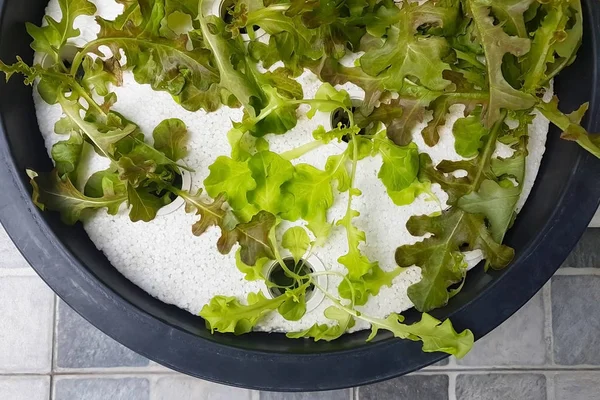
167	261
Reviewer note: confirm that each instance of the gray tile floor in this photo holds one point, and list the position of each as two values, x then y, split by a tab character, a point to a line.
549	350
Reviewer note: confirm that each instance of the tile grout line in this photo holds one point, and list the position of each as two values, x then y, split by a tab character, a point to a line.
514	370
550	389
570	271
452	385
108	372
548	329
54	336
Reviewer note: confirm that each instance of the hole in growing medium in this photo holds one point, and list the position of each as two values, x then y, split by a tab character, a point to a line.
225	14
176	182
341	117
279	277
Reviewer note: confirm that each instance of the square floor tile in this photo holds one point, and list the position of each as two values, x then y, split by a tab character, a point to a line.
68	388
576	319
577	386
410	387
10	257
25	387
186	388
501	387
500	347
81	345
587	252
328	395
27	310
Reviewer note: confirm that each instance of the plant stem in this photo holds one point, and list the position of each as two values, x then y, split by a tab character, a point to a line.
301	150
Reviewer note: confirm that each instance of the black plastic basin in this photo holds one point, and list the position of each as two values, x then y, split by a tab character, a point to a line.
562	203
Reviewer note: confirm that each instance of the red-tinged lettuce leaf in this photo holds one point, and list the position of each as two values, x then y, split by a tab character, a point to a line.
331	71
135	171
400	116
281	79
570	125
166	64
465	93
56	194
441	174
170	138
253	236
440	257
99	75
496	43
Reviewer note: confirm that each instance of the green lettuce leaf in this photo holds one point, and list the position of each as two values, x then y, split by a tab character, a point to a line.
400	165
435	335
468	134
496	200
344	321
144	205
296	240
51	38
406	54
251	272
233	178
496	44
440	257
227	315
67	154
53	193
270	171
